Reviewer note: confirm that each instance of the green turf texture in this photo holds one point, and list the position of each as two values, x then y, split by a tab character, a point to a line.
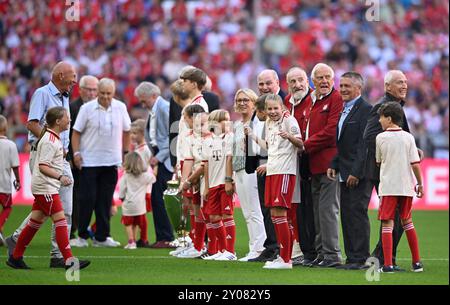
154	266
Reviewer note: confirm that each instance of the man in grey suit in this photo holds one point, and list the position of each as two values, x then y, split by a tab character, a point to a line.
157	138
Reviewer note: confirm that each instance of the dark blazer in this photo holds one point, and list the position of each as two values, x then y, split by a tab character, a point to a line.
213	102
352	153
74	110
373	128
282	94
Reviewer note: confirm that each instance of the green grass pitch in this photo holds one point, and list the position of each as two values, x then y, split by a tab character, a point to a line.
155	266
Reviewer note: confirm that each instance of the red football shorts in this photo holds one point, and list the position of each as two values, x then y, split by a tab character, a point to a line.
5	200
148	202
279	191
389	204
48	204
133	220
219	202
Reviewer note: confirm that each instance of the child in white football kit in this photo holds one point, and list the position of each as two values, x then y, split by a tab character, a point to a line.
217	153
9	161
133	187
196	118
282	142
46	180
398	158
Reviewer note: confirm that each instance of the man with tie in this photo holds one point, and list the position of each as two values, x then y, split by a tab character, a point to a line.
348	167
157	138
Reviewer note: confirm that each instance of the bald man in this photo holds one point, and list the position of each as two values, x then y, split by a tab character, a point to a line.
268	82
55	93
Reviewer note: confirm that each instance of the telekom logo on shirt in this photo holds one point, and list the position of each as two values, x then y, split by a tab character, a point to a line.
217	155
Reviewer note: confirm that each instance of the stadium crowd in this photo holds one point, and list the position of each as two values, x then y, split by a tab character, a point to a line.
132	41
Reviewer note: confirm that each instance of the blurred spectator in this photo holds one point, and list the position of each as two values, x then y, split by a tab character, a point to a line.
150	40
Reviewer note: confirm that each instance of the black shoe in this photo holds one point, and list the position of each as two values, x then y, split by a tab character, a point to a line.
16	263
56	262
267	255
142	244
398	269
328	263
386	269
10	244
314	263
82	264
417	267
306	262
298	261
352	266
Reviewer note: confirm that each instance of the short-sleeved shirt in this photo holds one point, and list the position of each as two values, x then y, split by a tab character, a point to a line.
282	154
133	189
184	128
396	151
101	132
43	99
50	153
215	150
9	159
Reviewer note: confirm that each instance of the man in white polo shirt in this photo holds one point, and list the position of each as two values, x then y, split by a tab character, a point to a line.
100	138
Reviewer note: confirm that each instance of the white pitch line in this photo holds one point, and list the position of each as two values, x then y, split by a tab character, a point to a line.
171	257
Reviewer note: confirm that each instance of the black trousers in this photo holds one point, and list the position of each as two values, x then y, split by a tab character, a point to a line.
271	240
163	227
305	221
355	220
75	201
97	185
396	234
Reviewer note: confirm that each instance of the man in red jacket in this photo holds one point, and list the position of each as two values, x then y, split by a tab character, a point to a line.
320	120
302	207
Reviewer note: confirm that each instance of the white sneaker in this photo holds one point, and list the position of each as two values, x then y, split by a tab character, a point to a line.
113	241
179	250
190	253
108	243
79	242
226	256
296	251
213	257
278	264
130	246
181	242
248	256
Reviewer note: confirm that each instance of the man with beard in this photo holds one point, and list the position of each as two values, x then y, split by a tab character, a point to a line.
302	216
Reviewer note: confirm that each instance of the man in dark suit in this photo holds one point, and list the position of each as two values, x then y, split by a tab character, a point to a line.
395	88
348	166
88	91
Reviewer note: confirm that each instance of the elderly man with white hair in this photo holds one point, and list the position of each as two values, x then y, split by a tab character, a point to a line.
321	116
101	136
395	90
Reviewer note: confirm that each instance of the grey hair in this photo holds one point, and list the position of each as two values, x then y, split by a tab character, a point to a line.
390	75
321	65
106	82
273	72
355	77
294	69
86	78
147	89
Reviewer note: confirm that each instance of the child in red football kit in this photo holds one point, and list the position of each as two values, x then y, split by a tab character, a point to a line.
133	186
282	142
8	162
217	151
46	180
398	158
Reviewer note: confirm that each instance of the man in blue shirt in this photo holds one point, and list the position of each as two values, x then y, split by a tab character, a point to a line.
55	93
348	166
